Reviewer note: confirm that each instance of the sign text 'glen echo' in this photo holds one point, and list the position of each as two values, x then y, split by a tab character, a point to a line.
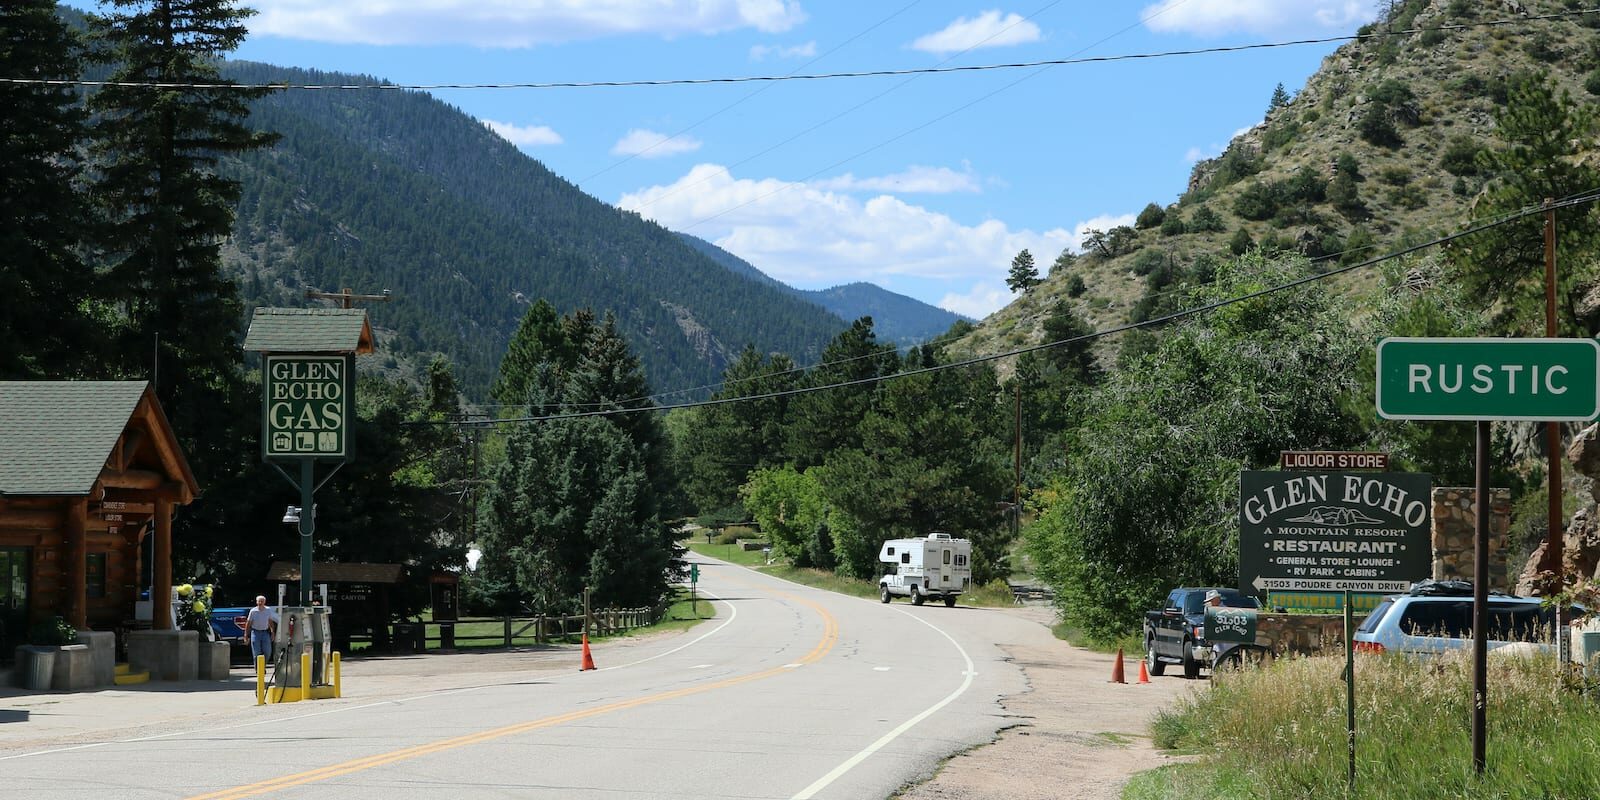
1489	379
307	406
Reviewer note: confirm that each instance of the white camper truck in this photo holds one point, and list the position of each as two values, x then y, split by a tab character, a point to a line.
932	566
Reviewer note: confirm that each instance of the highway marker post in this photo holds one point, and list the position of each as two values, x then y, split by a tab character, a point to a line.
1485	380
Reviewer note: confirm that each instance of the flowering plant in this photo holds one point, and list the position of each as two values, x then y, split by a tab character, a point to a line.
193	603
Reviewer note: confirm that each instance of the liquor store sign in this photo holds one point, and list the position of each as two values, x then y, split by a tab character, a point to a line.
1330	531
307	405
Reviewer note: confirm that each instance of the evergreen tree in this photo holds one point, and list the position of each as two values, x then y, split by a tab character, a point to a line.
830	419
166	210
724	443
1063	262
539	339
1024	275
45	325
1545	137
1280	98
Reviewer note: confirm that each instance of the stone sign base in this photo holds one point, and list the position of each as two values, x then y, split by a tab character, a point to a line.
166	655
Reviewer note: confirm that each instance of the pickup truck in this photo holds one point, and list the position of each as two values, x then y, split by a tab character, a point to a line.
1176	633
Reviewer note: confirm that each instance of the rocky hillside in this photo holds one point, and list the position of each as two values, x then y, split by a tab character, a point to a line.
1375	151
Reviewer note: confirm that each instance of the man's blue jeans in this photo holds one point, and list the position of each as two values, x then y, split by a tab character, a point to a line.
260	644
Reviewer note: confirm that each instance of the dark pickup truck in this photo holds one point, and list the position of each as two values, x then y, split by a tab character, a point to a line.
1174	634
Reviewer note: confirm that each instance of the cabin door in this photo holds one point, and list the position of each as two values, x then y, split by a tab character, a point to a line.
945	558
16	565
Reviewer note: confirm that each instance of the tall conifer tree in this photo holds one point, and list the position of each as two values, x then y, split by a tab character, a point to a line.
45	326
166	210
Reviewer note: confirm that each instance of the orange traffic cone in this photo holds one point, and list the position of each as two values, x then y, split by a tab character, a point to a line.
1116	669
1144	674
588	660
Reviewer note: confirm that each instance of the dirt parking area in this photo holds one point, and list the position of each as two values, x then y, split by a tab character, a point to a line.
1077	734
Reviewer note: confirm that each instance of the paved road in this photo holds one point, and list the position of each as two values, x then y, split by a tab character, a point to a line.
790	693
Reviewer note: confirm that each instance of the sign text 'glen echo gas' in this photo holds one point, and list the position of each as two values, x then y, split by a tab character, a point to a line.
1551	380
307	406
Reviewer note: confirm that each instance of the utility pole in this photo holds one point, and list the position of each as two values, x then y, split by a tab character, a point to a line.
1554	537
1016	482
346	298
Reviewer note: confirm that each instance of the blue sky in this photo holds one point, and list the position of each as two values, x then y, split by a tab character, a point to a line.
926	186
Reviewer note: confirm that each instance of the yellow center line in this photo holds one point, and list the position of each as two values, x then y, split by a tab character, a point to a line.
830	636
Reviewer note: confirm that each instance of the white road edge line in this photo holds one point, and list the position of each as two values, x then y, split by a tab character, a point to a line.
850	763
731	607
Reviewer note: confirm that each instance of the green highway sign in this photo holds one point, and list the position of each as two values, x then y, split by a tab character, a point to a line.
308	406
1489	379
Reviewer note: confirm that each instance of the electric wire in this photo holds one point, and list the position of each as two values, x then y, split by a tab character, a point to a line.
811	76
1503	219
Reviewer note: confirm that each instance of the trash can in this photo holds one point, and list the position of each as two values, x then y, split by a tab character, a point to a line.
36	667
447	636
408	637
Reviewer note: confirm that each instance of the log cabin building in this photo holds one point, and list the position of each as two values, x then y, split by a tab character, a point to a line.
90	477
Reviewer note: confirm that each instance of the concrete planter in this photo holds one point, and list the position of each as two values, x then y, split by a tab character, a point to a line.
36	666
103	654
166	655
213	664
74	669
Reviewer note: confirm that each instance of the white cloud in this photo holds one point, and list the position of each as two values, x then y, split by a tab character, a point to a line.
915	179
761	52
978	302
513	23
1216	17
524	136
649	144
808	235
1195	154
988	29
1104	222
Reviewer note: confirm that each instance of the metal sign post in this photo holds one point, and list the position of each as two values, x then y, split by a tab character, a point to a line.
1481	380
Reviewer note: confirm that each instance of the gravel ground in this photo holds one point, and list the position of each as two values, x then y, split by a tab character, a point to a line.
1077	735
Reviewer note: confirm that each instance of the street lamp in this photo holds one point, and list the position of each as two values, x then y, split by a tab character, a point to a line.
291	515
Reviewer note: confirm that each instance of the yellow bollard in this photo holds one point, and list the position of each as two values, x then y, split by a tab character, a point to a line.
261	680
305	676
338	690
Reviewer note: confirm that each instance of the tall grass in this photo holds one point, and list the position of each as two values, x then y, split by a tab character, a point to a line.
1279	733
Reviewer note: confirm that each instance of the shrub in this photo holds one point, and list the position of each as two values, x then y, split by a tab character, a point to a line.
1395	176
1205	220
1431	37
1460	156
1279	135
1148	261
53	632
1173	224
1376	128
1258	201
1150	217
1075	285
1591	84
1542	47
1241	242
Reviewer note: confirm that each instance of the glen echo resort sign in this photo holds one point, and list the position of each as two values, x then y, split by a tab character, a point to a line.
1489	379
1330	531
307	406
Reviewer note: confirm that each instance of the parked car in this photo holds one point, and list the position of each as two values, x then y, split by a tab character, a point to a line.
1436	617
1176	633
228	625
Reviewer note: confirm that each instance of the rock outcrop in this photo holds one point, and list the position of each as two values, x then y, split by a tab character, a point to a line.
1580	547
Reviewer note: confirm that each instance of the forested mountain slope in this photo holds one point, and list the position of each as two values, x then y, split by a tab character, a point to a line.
396	190
1381	148
895	317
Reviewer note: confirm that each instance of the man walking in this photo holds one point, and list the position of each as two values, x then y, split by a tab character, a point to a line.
259	625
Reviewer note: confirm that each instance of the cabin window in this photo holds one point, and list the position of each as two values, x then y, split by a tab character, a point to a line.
891	551
947	558
905	558
94	575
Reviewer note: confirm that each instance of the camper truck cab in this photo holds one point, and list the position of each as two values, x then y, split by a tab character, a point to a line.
932	566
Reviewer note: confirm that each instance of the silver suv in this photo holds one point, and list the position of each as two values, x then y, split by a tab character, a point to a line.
1436	616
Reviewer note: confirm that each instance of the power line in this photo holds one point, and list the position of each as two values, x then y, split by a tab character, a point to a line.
1575	200
806	77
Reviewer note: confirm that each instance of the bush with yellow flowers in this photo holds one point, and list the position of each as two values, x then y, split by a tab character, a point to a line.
193	602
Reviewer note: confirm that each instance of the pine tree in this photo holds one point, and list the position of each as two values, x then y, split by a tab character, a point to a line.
166	209
45	327
824	421
1544	137
1280	98
539	339
1024	275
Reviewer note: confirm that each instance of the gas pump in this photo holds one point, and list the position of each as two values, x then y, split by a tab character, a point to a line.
302	630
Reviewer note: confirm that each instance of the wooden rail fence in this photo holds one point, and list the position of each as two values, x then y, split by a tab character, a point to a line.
601	622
